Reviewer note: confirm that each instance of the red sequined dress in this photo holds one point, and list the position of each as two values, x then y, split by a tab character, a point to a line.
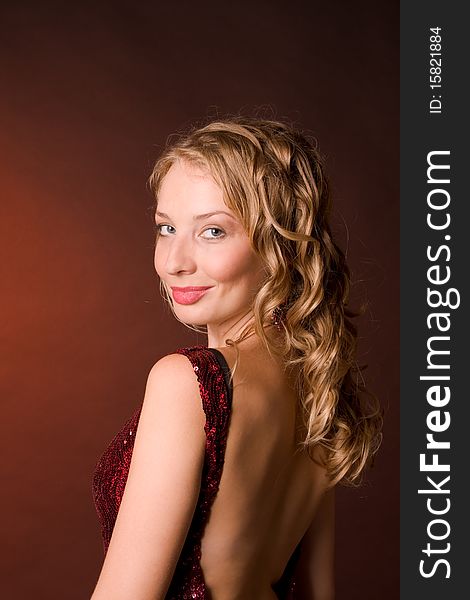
110	476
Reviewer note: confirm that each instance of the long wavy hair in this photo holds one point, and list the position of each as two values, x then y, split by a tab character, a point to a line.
272	177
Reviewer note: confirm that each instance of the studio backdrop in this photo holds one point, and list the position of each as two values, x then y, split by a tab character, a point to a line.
90	93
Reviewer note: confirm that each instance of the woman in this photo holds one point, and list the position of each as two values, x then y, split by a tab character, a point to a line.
239	445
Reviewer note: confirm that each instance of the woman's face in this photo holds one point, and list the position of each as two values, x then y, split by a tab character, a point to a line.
202	252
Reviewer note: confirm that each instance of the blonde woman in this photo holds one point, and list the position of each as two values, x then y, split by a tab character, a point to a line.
221	485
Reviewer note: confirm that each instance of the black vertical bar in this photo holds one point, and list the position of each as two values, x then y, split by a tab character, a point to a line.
434	290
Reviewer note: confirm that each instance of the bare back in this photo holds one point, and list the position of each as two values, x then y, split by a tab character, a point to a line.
269	490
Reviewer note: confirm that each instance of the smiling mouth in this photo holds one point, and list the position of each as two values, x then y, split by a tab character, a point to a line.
189	295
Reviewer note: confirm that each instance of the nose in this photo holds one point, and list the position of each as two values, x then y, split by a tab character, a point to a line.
179	257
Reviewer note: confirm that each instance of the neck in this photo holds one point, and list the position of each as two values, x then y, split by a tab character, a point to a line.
217	334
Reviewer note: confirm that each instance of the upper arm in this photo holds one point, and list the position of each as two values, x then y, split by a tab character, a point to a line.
162	486
315	570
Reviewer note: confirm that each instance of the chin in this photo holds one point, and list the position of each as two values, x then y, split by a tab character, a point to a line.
190	317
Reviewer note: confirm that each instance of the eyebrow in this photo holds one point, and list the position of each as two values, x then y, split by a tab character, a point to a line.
198	217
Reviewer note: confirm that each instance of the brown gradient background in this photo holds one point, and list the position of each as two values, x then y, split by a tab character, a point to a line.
90	93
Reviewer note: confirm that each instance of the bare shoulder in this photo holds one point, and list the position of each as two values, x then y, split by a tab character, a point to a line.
173	382
172	365
174	372
162	487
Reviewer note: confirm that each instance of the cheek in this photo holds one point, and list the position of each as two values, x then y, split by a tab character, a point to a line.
237	266
158	261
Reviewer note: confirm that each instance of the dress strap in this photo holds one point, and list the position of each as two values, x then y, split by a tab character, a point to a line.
226	371
213	375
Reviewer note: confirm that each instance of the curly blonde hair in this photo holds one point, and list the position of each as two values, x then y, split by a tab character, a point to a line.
272	177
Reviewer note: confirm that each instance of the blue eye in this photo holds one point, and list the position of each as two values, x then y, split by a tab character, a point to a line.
222	233
159	229
217	232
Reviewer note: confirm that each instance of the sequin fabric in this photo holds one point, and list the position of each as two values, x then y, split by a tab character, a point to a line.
112	469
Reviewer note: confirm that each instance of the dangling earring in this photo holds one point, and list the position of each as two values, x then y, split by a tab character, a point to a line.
278	315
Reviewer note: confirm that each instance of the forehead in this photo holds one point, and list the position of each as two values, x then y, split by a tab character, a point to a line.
189	186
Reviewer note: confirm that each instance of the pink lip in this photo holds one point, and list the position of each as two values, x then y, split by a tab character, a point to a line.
189	295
